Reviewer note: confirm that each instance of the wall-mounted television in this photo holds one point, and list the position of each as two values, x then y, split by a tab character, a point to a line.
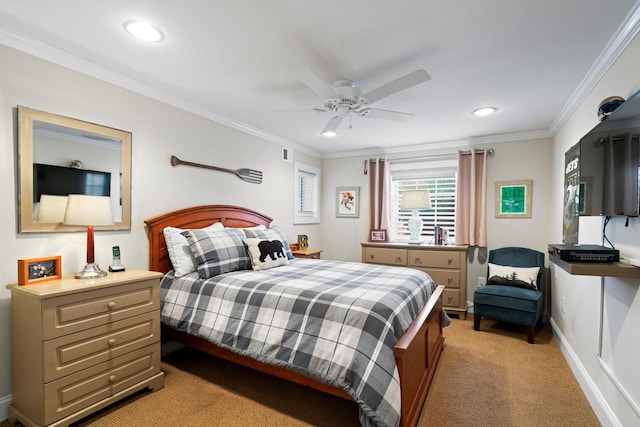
62	181
609	164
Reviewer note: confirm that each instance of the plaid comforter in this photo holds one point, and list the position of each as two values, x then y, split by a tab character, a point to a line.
333	321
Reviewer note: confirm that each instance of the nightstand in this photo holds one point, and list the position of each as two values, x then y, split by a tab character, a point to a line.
79	345
307	253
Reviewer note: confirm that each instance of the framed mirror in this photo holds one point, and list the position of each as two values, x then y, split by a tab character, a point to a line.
58	156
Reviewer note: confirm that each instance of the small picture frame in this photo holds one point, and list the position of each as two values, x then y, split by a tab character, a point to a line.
513	199
347	202
38	270
378	235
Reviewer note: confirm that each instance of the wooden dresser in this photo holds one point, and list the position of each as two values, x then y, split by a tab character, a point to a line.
80	345
447	265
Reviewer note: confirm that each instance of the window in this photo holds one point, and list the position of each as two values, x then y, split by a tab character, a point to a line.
441	183
306	194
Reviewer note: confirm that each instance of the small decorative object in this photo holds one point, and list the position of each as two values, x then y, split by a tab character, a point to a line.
303	241
347	202
249	175
513	199
378	235
608	106
89	211
76	164
415	200
293	247
37	270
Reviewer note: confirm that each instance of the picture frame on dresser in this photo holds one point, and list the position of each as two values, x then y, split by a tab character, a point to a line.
378	235
38	270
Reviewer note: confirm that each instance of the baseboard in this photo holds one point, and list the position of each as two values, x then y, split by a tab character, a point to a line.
603	411
4	406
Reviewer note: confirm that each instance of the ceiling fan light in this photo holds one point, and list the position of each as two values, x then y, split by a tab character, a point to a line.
484	111
329	130
143	31
329	133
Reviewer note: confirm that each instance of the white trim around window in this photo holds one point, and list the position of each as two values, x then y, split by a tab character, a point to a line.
306	194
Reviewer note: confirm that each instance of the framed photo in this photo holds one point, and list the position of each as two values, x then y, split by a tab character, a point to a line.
378	235
513	199
37	270
347	202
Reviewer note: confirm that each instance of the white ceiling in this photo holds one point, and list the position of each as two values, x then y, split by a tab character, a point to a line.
235	61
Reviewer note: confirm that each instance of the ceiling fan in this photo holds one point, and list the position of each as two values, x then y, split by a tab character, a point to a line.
343	97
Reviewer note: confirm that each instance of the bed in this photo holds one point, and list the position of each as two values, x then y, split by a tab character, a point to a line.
416	351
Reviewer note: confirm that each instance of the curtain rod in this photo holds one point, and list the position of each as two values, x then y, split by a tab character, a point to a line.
450	156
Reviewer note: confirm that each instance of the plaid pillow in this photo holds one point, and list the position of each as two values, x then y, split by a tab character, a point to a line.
273	233
218	251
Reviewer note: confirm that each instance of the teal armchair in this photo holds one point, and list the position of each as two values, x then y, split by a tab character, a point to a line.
517	304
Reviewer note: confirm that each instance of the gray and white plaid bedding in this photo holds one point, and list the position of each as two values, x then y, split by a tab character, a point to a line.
336	322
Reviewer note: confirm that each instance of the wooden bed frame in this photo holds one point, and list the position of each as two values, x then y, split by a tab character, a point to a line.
417	352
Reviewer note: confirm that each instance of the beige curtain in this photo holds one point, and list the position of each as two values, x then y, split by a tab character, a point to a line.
471	198
378	194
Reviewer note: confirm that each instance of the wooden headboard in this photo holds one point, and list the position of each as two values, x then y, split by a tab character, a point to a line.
195	217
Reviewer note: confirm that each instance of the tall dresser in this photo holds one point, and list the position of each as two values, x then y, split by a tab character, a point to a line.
447	265
80	345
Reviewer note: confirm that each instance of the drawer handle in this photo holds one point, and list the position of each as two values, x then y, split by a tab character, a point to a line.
417	260
398	258
112	378
449	280
449	298
450	261
111	305
371	255
112	342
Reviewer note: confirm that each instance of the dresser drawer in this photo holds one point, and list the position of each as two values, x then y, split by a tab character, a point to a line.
441	259
71	353
451	298
74	392
386	256
448	278
75	312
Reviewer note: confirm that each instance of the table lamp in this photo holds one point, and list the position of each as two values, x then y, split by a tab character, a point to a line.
88	211
52	208
415	199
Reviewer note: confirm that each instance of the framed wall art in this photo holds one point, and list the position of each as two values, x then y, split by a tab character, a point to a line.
513	199
347	202
37	270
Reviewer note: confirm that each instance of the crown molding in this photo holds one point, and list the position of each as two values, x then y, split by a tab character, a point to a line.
610	54
75	63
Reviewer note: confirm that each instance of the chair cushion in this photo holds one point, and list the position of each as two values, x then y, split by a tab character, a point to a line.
508	297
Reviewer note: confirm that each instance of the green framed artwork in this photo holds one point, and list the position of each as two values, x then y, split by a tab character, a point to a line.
513	199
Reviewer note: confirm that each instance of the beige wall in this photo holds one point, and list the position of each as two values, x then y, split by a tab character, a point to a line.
159	131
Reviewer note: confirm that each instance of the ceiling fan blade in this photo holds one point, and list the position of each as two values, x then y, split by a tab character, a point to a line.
411	79
376	113
308	77
330	129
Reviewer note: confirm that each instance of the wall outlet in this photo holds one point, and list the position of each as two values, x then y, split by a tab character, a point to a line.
482	281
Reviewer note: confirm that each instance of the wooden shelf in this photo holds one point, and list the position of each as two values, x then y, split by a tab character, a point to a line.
608	269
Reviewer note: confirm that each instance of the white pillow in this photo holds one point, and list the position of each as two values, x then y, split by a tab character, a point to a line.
266	254
522	277
179	251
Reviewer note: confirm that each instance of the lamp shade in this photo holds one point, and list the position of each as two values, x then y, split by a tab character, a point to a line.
52	208
416	199
88	210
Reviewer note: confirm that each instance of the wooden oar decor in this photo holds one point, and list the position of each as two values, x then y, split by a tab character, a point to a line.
249	175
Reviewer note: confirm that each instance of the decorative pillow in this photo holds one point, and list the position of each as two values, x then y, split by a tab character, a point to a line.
178	249
272	233
218	251
266	254
522	277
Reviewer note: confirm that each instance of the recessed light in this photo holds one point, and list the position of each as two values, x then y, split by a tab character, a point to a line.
485	111
143	31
